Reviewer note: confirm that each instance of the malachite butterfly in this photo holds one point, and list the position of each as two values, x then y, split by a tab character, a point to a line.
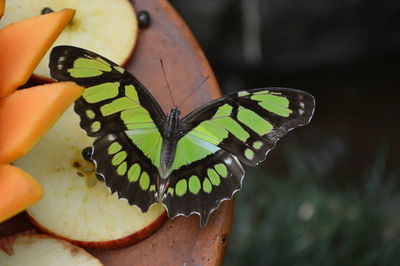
188	164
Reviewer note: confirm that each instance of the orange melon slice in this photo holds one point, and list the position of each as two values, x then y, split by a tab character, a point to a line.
24	43
27	114
18	190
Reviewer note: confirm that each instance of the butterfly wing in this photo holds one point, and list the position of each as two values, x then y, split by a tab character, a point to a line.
242	126
122	116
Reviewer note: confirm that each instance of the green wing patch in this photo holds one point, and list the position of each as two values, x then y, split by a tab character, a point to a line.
88	67
273	102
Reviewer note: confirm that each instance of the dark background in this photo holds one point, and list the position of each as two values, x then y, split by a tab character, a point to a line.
329	193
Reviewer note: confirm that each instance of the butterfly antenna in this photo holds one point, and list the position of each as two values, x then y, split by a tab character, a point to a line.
166	81
193	91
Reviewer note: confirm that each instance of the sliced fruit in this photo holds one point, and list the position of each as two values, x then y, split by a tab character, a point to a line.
27	114
1	8
75	205
39	250
18	190
106	27
23	44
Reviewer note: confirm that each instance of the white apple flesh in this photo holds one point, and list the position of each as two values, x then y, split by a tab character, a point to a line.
105	27
39	250
76	206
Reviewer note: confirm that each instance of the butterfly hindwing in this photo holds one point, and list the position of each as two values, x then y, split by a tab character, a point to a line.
201	186
122	115
126	170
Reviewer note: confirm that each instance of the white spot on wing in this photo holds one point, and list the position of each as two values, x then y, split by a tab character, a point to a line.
111	137
228	161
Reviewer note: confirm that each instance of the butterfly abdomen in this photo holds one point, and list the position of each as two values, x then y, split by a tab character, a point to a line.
171	134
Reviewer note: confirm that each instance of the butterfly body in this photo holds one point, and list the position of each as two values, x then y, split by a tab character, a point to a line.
172	133
188	164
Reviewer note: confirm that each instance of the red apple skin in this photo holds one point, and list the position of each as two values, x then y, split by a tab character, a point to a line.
112	244
6	242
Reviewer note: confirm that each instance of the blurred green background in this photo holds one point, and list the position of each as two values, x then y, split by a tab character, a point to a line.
329	193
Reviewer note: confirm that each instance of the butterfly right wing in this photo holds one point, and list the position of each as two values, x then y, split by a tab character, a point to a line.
242	126
122	116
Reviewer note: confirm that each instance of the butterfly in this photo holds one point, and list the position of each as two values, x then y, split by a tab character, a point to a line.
188	164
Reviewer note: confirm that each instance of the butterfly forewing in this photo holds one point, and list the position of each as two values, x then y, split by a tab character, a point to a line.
248	124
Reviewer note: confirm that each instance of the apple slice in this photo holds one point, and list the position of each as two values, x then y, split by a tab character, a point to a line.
75	205
1	8
106	27
38	249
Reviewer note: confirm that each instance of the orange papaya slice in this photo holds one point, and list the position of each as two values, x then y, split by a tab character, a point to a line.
1	8
24	43
27	114
18	190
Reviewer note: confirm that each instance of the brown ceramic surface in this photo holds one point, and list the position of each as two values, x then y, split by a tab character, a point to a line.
181	240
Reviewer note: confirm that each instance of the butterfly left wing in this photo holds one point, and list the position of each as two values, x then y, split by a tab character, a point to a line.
122	116
242	126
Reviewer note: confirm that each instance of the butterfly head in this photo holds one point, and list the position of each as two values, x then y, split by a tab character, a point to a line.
174	112
173	124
